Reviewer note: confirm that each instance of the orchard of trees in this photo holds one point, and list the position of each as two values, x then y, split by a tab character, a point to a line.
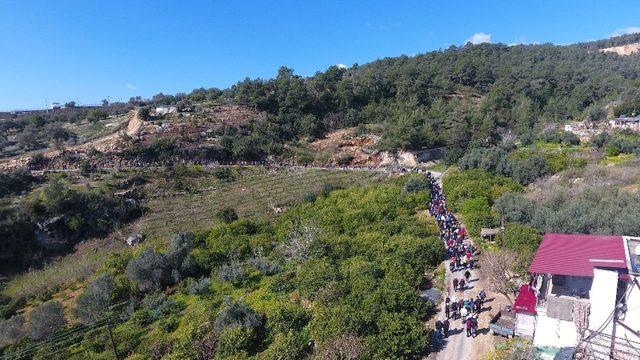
336	277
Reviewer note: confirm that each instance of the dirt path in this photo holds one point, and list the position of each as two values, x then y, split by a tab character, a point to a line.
458	345
104	144
109	142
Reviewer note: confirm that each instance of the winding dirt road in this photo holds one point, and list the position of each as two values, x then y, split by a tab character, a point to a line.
131	126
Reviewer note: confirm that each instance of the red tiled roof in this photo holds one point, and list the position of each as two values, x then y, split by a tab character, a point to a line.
526	300
577	254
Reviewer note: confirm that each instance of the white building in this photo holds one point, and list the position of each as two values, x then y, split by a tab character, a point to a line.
580	281
625	122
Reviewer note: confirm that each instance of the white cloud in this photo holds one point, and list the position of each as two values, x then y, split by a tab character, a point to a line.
479	38
341	66
130	87
626	31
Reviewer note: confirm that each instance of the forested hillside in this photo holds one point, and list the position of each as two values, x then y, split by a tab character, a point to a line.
285	260
453	96
474	92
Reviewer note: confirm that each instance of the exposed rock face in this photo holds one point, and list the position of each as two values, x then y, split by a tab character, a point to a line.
401	158
628	49
135	239
52	233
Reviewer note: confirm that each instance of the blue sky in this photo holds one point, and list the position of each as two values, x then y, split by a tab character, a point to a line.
89	50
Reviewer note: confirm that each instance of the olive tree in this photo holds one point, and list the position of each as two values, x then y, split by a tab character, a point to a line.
93	303
46	320
149	270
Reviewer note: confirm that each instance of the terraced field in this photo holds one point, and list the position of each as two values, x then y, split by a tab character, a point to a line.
254	194
260	195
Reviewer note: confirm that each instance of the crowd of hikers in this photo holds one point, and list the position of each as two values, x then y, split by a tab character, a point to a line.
460	254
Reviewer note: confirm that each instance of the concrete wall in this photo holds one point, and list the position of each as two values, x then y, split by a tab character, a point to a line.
553	332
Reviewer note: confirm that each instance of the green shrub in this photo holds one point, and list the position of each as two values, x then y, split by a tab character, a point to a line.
237	314
15	181
178	254
233	272
200	286
236	342
160	305
415	184
94	115
127	337
462	185
46	320
265	266
612	150
401	337
149	270
290	345
223	173
330	322
286	316
12	330
94	302
523	240
514	207
227	215
10	307
313	275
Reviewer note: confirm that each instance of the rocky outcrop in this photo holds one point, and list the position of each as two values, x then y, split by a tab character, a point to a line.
135	239
52	233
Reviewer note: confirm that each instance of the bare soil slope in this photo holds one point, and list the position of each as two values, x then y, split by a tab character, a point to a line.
627	49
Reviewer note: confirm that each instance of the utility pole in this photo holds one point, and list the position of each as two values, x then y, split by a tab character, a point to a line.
113	344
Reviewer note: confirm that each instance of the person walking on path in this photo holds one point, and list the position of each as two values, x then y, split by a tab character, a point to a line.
445	328
439	327
477	305
463	314
474	325
469	325
482	295
467	275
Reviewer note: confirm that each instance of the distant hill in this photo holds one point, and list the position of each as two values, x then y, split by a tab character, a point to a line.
460	95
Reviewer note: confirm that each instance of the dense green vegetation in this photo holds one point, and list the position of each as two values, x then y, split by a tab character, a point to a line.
599	210
453	96
472	194
527	163
55	217
341	272
338	274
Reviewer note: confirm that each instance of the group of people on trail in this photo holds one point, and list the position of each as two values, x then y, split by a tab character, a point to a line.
459	284
460	254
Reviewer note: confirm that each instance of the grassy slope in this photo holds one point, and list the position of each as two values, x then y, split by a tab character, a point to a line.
171	211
